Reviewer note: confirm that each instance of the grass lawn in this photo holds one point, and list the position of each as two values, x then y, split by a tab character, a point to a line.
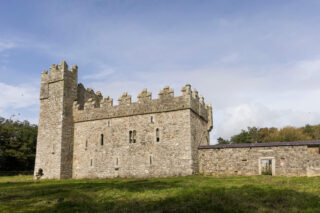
176	194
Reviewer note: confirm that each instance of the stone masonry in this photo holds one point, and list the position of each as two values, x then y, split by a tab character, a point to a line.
83	135
286	158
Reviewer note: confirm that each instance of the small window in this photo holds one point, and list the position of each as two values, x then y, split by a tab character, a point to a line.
152	119
102	142
117	162
53	148
150	160
109	123
157	135
86	143
130	136
134	135
91	162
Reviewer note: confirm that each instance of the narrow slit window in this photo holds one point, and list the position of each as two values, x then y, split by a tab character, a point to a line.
86	143
130	136
152	119
134	135
109	123
150	160
157	135
91	162
102	142
117	162
53	148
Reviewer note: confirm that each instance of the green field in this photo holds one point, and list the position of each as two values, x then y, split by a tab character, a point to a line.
177	194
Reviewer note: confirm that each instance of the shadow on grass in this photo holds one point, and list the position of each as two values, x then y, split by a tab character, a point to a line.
154	196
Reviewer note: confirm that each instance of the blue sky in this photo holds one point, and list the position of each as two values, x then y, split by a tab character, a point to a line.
256	62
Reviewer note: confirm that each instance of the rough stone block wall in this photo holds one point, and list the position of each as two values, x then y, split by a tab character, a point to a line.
289	160
117	157
48	155
199	136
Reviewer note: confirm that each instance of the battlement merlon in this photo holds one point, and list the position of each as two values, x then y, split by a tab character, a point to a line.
103	109
56	73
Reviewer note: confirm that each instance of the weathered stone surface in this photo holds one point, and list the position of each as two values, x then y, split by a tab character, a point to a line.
288	160
117	157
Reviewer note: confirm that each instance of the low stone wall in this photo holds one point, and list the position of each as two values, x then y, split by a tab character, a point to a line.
285	160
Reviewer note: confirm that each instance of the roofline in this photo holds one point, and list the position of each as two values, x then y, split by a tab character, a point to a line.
270	144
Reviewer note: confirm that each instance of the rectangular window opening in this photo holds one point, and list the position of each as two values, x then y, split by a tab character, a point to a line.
150	160
130	136
102	140
134	134
157	135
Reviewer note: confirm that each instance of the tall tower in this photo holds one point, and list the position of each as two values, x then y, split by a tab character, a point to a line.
55	130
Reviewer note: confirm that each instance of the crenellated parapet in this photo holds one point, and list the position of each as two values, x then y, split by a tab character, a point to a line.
144	96
125	99
56	73
167	92
88	95
106	102
95	107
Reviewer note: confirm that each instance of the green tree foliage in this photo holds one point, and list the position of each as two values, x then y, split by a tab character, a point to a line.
243	137
223	141
265	135
17	145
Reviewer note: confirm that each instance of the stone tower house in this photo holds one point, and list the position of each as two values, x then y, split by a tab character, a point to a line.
83	135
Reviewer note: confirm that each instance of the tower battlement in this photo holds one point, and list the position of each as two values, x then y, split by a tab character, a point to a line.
56	73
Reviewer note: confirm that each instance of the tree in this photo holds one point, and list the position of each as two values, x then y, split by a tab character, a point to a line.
222	141
273	134
243	137
17	145
292	134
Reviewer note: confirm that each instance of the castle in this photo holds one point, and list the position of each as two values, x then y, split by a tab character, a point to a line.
83	135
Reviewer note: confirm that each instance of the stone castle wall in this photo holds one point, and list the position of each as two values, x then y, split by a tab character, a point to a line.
178	120
146	157
286	160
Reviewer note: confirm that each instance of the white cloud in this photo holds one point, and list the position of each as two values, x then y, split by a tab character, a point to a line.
102	73
5	45
19	102
241	116
17	96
